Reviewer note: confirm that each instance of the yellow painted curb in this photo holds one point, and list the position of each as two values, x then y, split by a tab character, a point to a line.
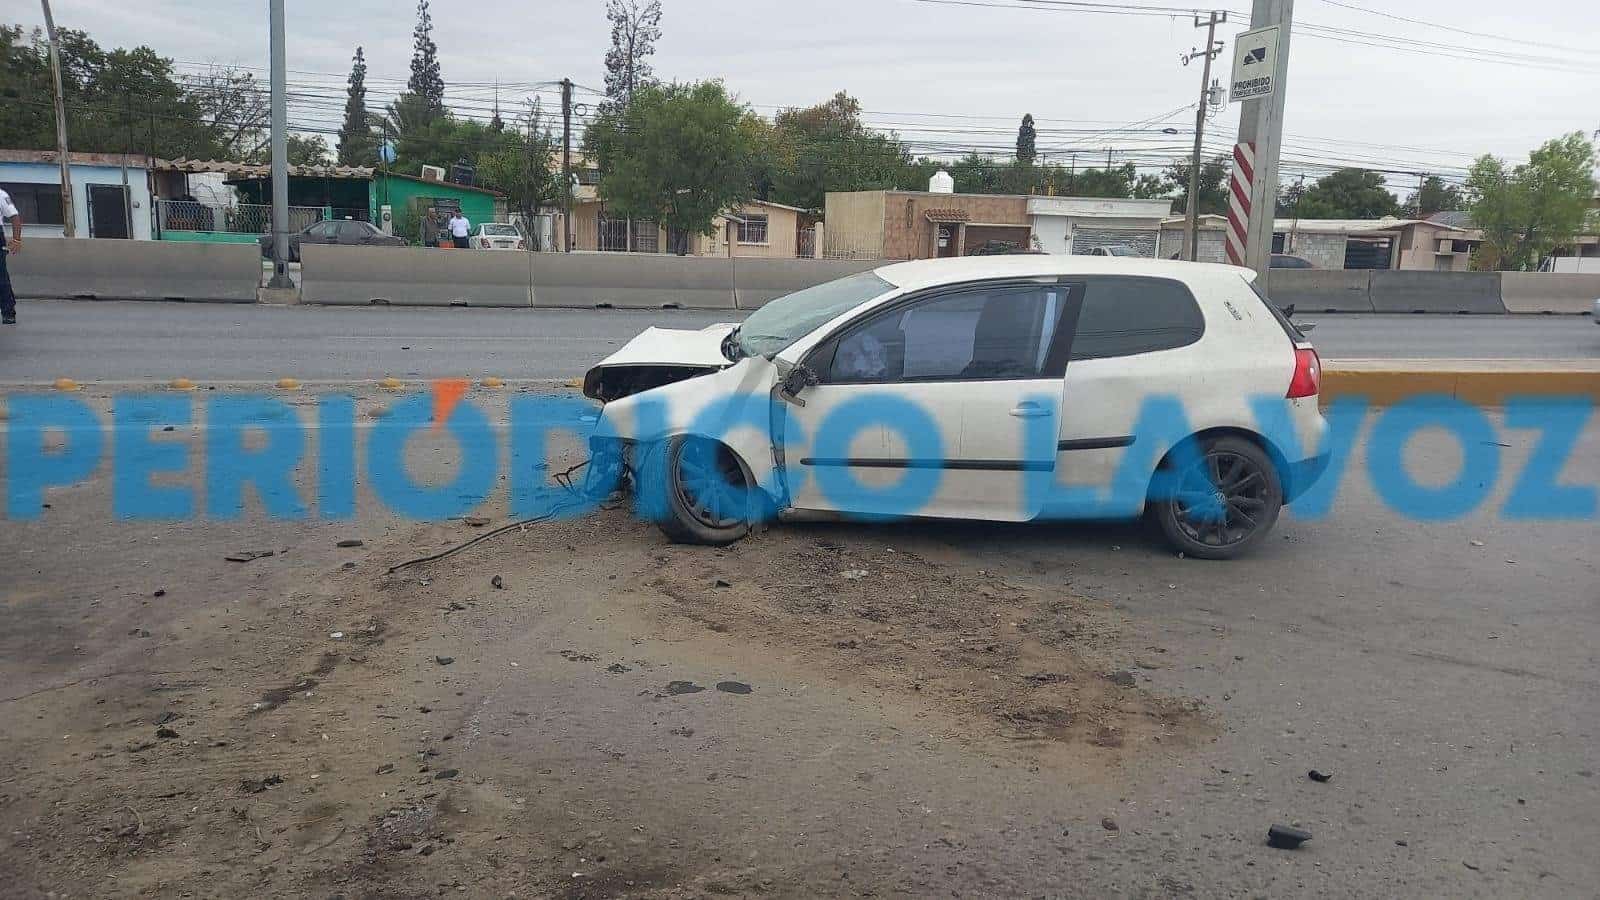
574	382
181	384
1483	382
391	384
288	384
66	384
493	382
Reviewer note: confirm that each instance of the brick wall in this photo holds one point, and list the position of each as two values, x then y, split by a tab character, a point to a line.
907	234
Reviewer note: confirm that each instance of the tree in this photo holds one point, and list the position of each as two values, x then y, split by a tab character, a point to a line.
308	150
238	109
635	28
120	100
1213	193
828	148
1026	138
1534	208
1348	194
522	168
425	84
356	144
677	154
1432	196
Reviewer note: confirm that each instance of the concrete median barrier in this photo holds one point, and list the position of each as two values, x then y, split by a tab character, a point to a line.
632	281
1322	290
1485	382
1436	292
100	269
1549	292
757	281
414	276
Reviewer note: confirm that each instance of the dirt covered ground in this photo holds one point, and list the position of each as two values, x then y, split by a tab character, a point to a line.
580	709
575	709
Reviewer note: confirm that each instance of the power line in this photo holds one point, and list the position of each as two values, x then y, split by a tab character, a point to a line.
1443	27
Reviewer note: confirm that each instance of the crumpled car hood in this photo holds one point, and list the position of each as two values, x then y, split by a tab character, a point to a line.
658	356
674	347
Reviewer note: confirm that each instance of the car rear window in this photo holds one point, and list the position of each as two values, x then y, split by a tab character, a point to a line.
1126	315
1288	327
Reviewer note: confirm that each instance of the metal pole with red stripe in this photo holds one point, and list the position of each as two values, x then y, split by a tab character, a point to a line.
1244	173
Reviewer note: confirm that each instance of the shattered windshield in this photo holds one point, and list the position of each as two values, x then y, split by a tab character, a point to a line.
787	319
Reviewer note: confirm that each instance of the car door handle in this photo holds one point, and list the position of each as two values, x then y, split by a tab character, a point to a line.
1029	411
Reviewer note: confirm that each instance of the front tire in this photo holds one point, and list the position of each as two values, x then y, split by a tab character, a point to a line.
1223	502
698	491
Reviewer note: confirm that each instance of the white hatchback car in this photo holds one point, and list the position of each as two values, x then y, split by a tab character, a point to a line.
1004	388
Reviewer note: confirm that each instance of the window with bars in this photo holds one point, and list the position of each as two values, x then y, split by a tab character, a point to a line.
39	204
753	230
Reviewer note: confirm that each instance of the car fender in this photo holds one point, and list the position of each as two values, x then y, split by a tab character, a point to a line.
732	405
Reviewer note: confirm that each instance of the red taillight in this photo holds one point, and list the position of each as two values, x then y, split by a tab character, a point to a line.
1307	380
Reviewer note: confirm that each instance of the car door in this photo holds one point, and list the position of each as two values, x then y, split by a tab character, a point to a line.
320	233
353	234
1128	358
943	404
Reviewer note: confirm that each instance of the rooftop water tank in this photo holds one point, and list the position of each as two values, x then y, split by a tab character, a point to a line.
941	183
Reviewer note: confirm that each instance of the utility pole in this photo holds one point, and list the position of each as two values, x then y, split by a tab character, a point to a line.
1261	125
1191	225
69	222
280	156
566	165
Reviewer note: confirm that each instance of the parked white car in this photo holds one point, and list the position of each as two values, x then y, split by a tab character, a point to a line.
497	236
1004	388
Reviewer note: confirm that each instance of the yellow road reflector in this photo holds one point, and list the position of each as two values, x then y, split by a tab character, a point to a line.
391	384
182	384
288	384
493	382
66	384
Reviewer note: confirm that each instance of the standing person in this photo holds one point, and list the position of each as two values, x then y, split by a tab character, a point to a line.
459	229
8	299
430	228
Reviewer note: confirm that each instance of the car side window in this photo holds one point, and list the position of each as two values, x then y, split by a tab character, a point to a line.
352	230
978	334
321	230
1127	315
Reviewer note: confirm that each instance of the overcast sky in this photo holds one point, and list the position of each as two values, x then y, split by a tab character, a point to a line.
951	75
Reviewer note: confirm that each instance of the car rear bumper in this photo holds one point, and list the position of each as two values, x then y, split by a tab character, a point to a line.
1300	476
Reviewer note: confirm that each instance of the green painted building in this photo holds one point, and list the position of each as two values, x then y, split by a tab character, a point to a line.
315	193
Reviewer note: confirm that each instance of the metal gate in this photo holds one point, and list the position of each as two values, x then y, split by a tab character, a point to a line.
1141	242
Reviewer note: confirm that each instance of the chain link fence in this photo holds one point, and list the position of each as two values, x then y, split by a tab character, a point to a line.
240	218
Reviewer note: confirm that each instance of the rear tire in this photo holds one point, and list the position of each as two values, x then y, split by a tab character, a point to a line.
699	491
1224	504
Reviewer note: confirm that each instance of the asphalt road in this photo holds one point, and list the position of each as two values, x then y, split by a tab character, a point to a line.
132	341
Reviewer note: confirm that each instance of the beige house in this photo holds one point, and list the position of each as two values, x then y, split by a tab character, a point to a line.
921	224
756	229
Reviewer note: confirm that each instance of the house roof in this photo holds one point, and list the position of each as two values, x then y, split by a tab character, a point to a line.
1459	218
777	205
449	184
252	170
134	160
1351	226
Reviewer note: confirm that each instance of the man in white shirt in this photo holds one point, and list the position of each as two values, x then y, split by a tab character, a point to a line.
459	229
8	299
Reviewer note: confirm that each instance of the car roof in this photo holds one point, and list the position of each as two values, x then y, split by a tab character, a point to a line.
925	273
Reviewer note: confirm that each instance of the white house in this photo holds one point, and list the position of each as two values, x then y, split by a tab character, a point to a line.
107	197
1081	224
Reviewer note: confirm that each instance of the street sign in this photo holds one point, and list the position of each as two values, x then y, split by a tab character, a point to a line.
1255	63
